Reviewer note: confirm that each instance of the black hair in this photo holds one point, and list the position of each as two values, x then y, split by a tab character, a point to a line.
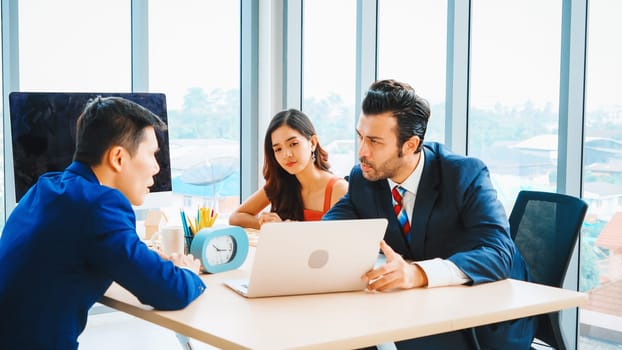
411	111
111	121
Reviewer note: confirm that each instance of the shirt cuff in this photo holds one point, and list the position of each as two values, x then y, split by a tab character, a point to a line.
442	272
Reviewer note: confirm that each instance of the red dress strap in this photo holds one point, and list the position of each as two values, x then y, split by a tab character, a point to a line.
316	215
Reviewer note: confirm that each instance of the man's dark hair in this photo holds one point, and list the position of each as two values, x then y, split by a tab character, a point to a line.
411	111
111	121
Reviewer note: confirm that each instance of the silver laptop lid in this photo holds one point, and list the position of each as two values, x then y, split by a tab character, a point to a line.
304	257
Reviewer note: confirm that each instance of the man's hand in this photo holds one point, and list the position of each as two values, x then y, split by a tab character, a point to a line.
395	274
186	261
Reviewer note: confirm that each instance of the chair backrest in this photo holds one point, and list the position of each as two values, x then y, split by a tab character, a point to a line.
545	227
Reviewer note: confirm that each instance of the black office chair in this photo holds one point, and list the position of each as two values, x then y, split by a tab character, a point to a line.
545	227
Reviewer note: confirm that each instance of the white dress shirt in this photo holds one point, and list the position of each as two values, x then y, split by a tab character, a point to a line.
439	272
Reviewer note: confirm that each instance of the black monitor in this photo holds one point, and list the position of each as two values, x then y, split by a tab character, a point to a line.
43	131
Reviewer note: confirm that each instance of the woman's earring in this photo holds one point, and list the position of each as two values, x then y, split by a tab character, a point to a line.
313	156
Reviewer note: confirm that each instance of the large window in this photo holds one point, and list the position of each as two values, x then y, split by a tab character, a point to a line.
73	45
412	40
601	240
514	93
194	58
329	57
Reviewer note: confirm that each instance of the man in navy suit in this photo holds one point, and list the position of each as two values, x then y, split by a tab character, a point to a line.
74	233
446	225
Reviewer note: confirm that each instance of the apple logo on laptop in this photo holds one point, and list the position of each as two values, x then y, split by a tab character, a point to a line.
318	259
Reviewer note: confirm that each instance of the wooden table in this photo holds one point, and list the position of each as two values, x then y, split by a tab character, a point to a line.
227	320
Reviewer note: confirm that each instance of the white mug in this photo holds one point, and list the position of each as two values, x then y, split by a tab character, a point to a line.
171	239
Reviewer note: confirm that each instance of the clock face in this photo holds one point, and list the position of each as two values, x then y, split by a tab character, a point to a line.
220	250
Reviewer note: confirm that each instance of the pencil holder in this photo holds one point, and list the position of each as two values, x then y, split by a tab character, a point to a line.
188	242
205	218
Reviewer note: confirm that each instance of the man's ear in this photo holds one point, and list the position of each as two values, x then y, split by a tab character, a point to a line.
115	158
411	145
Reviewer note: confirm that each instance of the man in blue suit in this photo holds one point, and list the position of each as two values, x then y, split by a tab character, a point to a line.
446	225
74	233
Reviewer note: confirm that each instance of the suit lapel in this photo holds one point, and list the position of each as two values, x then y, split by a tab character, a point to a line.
427	192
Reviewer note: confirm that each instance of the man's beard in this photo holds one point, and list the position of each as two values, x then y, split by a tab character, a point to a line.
386	170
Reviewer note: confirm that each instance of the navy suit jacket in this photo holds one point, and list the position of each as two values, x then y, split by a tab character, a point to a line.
456	216
66	241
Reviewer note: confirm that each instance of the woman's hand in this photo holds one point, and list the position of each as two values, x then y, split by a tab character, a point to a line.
268	217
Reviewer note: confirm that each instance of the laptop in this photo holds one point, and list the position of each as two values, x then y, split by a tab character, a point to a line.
307	257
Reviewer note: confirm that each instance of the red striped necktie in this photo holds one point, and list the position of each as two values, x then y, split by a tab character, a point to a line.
398	194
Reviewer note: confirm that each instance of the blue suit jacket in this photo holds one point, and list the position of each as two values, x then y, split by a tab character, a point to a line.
66	241
456	216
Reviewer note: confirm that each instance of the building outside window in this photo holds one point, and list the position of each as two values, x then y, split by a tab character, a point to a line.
514	93
601	237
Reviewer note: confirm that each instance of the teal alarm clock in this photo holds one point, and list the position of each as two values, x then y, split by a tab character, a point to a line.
220	248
